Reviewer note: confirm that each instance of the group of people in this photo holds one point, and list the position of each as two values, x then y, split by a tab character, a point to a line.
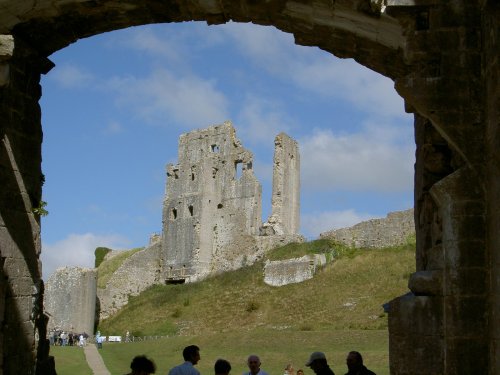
62	338
141	365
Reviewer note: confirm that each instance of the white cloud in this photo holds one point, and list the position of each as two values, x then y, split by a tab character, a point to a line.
372	160
315	223
189	100
316	71
146	40
113	127
76	250
71	76
261	119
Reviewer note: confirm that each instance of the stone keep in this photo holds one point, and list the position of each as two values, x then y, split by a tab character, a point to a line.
70	299
212	198
285	215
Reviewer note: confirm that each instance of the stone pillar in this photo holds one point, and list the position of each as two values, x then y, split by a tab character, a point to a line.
285	214
443	324
21	292
491	73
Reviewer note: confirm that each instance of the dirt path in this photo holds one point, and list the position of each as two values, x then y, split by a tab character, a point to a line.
95	361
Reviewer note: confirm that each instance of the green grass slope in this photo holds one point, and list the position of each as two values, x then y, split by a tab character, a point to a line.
107	267
346	294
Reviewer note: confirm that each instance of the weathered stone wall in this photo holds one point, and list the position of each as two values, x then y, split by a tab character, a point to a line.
212	199
138	272
21	309
285	201
376	233
289	271
491	73
70	299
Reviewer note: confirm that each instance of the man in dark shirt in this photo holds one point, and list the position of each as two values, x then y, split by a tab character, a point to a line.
317	362
355	365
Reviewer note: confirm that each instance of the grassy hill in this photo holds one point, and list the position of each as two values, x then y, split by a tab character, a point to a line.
235	314
346	294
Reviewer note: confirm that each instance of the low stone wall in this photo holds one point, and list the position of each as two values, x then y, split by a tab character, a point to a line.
137	273
289	271
376	233
70	299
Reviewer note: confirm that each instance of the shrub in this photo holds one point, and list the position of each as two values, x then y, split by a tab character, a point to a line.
100	253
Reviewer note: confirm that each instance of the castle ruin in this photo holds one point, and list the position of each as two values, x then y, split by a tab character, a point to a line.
212	213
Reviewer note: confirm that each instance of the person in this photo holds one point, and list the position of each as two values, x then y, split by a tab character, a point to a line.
300	372
100	340
254	363
81	341
355	365
222	367
318	363
127	337
191	356
289	370
142	365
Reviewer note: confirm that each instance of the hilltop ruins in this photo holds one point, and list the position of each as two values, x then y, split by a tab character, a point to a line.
212	218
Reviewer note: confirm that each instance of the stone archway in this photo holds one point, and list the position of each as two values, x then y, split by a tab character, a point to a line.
443	56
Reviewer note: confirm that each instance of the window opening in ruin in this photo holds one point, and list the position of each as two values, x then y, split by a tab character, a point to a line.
176	174
215	149
175	281
192	176
214	172
190	210
238	169
249	166
173	215
219	206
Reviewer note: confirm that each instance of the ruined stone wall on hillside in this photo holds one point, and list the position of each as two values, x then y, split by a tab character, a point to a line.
213	206
377	233
70	299
137	273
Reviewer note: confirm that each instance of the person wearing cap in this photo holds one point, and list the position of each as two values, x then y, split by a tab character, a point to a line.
317	362
354	362
254	366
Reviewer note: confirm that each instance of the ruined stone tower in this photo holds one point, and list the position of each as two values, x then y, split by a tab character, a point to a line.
213	201
285	215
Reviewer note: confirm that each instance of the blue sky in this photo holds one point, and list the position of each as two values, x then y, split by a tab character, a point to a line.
115	104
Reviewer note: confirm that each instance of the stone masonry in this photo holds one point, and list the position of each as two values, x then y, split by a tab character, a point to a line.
393	230
70	299
295	270
285	202
213	206
137	273
443	56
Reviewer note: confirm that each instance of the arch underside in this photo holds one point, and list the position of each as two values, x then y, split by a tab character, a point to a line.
443	57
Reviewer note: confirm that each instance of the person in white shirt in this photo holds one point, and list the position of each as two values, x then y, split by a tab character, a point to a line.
191	356
253	363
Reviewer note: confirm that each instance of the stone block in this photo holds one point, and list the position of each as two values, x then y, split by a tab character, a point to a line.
416	315
467	356
426	283
16	267
466	281
464	253
435	258
466	316
415	354
495	315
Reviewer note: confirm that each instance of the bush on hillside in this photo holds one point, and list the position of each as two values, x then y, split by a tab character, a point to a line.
100	253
